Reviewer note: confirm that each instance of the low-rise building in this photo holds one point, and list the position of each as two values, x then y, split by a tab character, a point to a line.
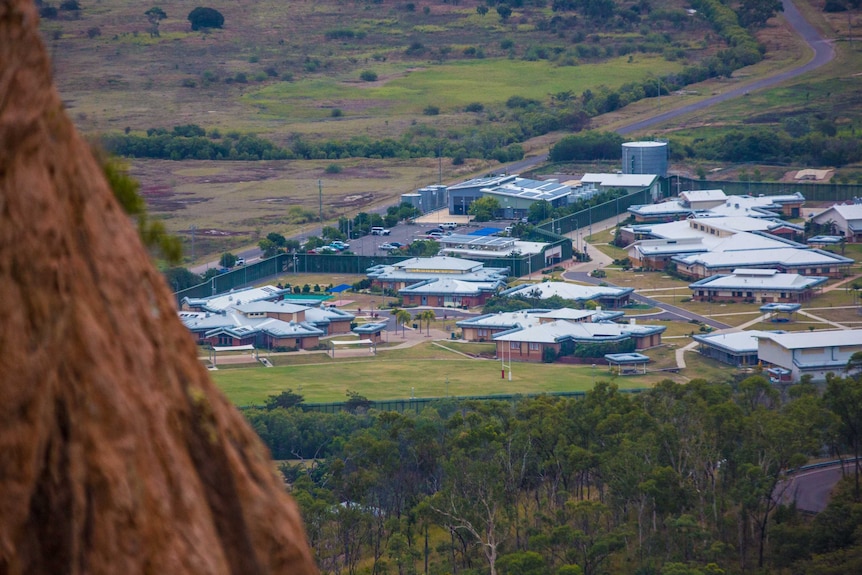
842	219
803	261
738	348
485	327
716	203
448	292
606	296
232	328
533	343
757	285
414	270
813	353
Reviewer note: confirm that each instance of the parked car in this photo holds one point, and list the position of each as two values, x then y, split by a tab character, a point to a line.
449	226
386	246
378	231
435	230
240	261
396	245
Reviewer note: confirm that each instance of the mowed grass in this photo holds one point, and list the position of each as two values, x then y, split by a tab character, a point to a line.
451	86
388	378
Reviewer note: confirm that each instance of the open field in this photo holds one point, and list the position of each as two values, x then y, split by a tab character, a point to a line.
389	378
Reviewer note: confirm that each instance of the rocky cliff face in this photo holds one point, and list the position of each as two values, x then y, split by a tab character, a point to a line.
117	454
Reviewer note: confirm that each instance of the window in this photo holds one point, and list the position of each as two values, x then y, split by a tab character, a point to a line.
482	332
749	294
514	345
783	295
534	346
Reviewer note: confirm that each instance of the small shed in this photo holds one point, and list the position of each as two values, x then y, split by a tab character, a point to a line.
627	363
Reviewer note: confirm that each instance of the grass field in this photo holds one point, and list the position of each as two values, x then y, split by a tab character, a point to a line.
401	378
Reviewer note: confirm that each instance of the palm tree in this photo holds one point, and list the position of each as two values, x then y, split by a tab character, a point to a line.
428	315
402	316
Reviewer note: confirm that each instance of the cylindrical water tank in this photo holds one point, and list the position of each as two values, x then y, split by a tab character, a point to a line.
414	200
645	158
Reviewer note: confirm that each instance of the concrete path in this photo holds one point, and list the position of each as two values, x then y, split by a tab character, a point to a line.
820	319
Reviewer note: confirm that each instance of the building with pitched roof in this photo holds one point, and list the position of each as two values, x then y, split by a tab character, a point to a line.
716	203
535	342
813	353
757	286
606	296
414	270
788	260
234	328
485	327
842	219
448	292
738	348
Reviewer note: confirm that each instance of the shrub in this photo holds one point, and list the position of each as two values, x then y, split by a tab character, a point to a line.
368	76
431	110
336	113
93	32
202	17
474	107
333	169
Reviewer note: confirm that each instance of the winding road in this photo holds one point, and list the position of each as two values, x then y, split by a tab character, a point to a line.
823	54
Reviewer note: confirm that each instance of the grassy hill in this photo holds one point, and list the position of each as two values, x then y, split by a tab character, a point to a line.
294	71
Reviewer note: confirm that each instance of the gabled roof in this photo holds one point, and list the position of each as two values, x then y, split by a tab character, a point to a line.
764	258
736	342
849	212
566	290
759	279
561	330
449	286
816	339
223	301
620	180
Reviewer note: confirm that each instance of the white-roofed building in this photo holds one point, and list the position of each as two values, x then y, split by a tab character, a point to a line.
479	247
629	182
232	328
842	219
484	327
788	260
606	296
414	270
757	286
563	337
448	292
814	353
738	348
716	203
234	297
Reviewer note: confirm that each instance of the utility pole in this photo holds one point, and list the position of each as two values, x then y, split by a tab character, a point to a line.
320	200
193	228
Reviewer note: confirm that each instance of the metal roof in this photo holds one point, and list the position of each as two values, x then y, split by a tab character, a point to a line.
815	339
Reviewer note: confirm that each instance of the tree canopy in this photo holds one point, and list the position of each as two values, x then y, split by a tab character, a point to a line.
202	18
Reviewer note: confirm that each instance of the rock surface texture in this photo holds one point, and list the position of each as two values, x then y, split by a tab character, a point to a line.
117	454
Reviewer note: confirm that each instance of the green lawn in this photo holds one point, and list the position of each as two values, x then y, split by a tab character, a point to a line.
388	377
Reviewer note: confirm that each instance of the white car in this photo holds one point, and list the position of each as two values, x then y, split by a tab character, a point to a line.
386	246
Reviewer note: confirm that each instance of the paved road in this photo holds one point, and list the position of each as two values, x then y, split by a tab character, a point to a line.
823	54
670	311
811	490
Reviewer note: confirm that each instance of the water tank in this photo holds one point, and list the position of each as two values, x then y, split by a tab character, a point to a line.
414	200
433	198
645	158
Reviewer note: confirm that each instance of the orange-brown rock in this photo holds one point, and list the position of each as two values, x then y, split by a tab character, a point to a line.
117	454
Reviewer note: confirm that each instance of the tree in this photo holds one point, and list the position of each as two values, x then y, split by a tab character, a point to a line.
755	13
154	16
482	9
539	211
504	12
180	278
427	316
402	316
284	400
484	208
227	260
202	18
